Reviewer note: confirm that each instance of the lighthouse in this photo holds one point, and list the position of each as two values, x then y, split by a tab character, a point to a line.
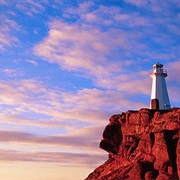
159	93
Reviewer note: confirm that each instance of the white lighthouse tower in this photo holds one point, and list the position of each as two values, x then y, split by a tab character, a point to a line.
159	94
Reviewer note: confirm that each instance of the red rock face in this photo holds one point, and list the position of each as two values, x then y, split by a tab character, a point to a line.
141	144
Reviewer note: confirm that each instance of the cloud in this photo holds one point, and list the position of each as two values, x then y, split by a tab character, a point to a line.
82	49
138	3
155	5
33	62
3	2
71	46
85	46
62	141
75	159
7	38
12	72
31	7
79	139
15	94
173	71
30	97
173	83
19	120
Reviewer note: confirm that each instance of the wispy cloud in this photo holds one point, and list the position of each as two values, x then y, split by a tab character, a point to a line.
61	141
7	38
78	140
31	7
76	48
3	2
139	3
12	72
33	62
32	96
173	82
62	158
85	46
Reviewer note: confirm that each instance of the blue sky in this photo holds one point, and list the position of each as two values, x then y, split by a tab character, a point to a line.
67	66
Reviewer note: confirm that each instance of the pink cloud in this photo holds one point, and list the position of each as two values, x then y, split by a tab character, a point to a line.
78	47
33	96
3	2
87	139
12	72
75	159
33	62
6	32
173	71
138	3
20	121
31	7
173	82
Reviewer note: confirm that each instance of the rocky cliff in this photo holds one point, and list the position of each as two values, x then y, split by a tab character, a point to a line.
141	144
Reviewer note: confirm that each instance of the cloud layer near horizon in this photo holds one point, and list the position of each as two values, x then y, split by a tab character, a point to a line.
75	159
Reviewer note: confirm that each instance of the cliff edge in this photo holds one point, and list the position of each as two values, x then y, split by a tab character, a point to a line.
141	144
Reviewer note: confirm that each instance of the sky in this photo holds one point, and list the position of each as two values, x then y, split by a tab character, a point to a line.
66	67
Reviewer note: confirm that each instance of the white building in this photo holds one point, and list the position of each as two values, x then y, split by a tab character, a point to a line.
159	93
